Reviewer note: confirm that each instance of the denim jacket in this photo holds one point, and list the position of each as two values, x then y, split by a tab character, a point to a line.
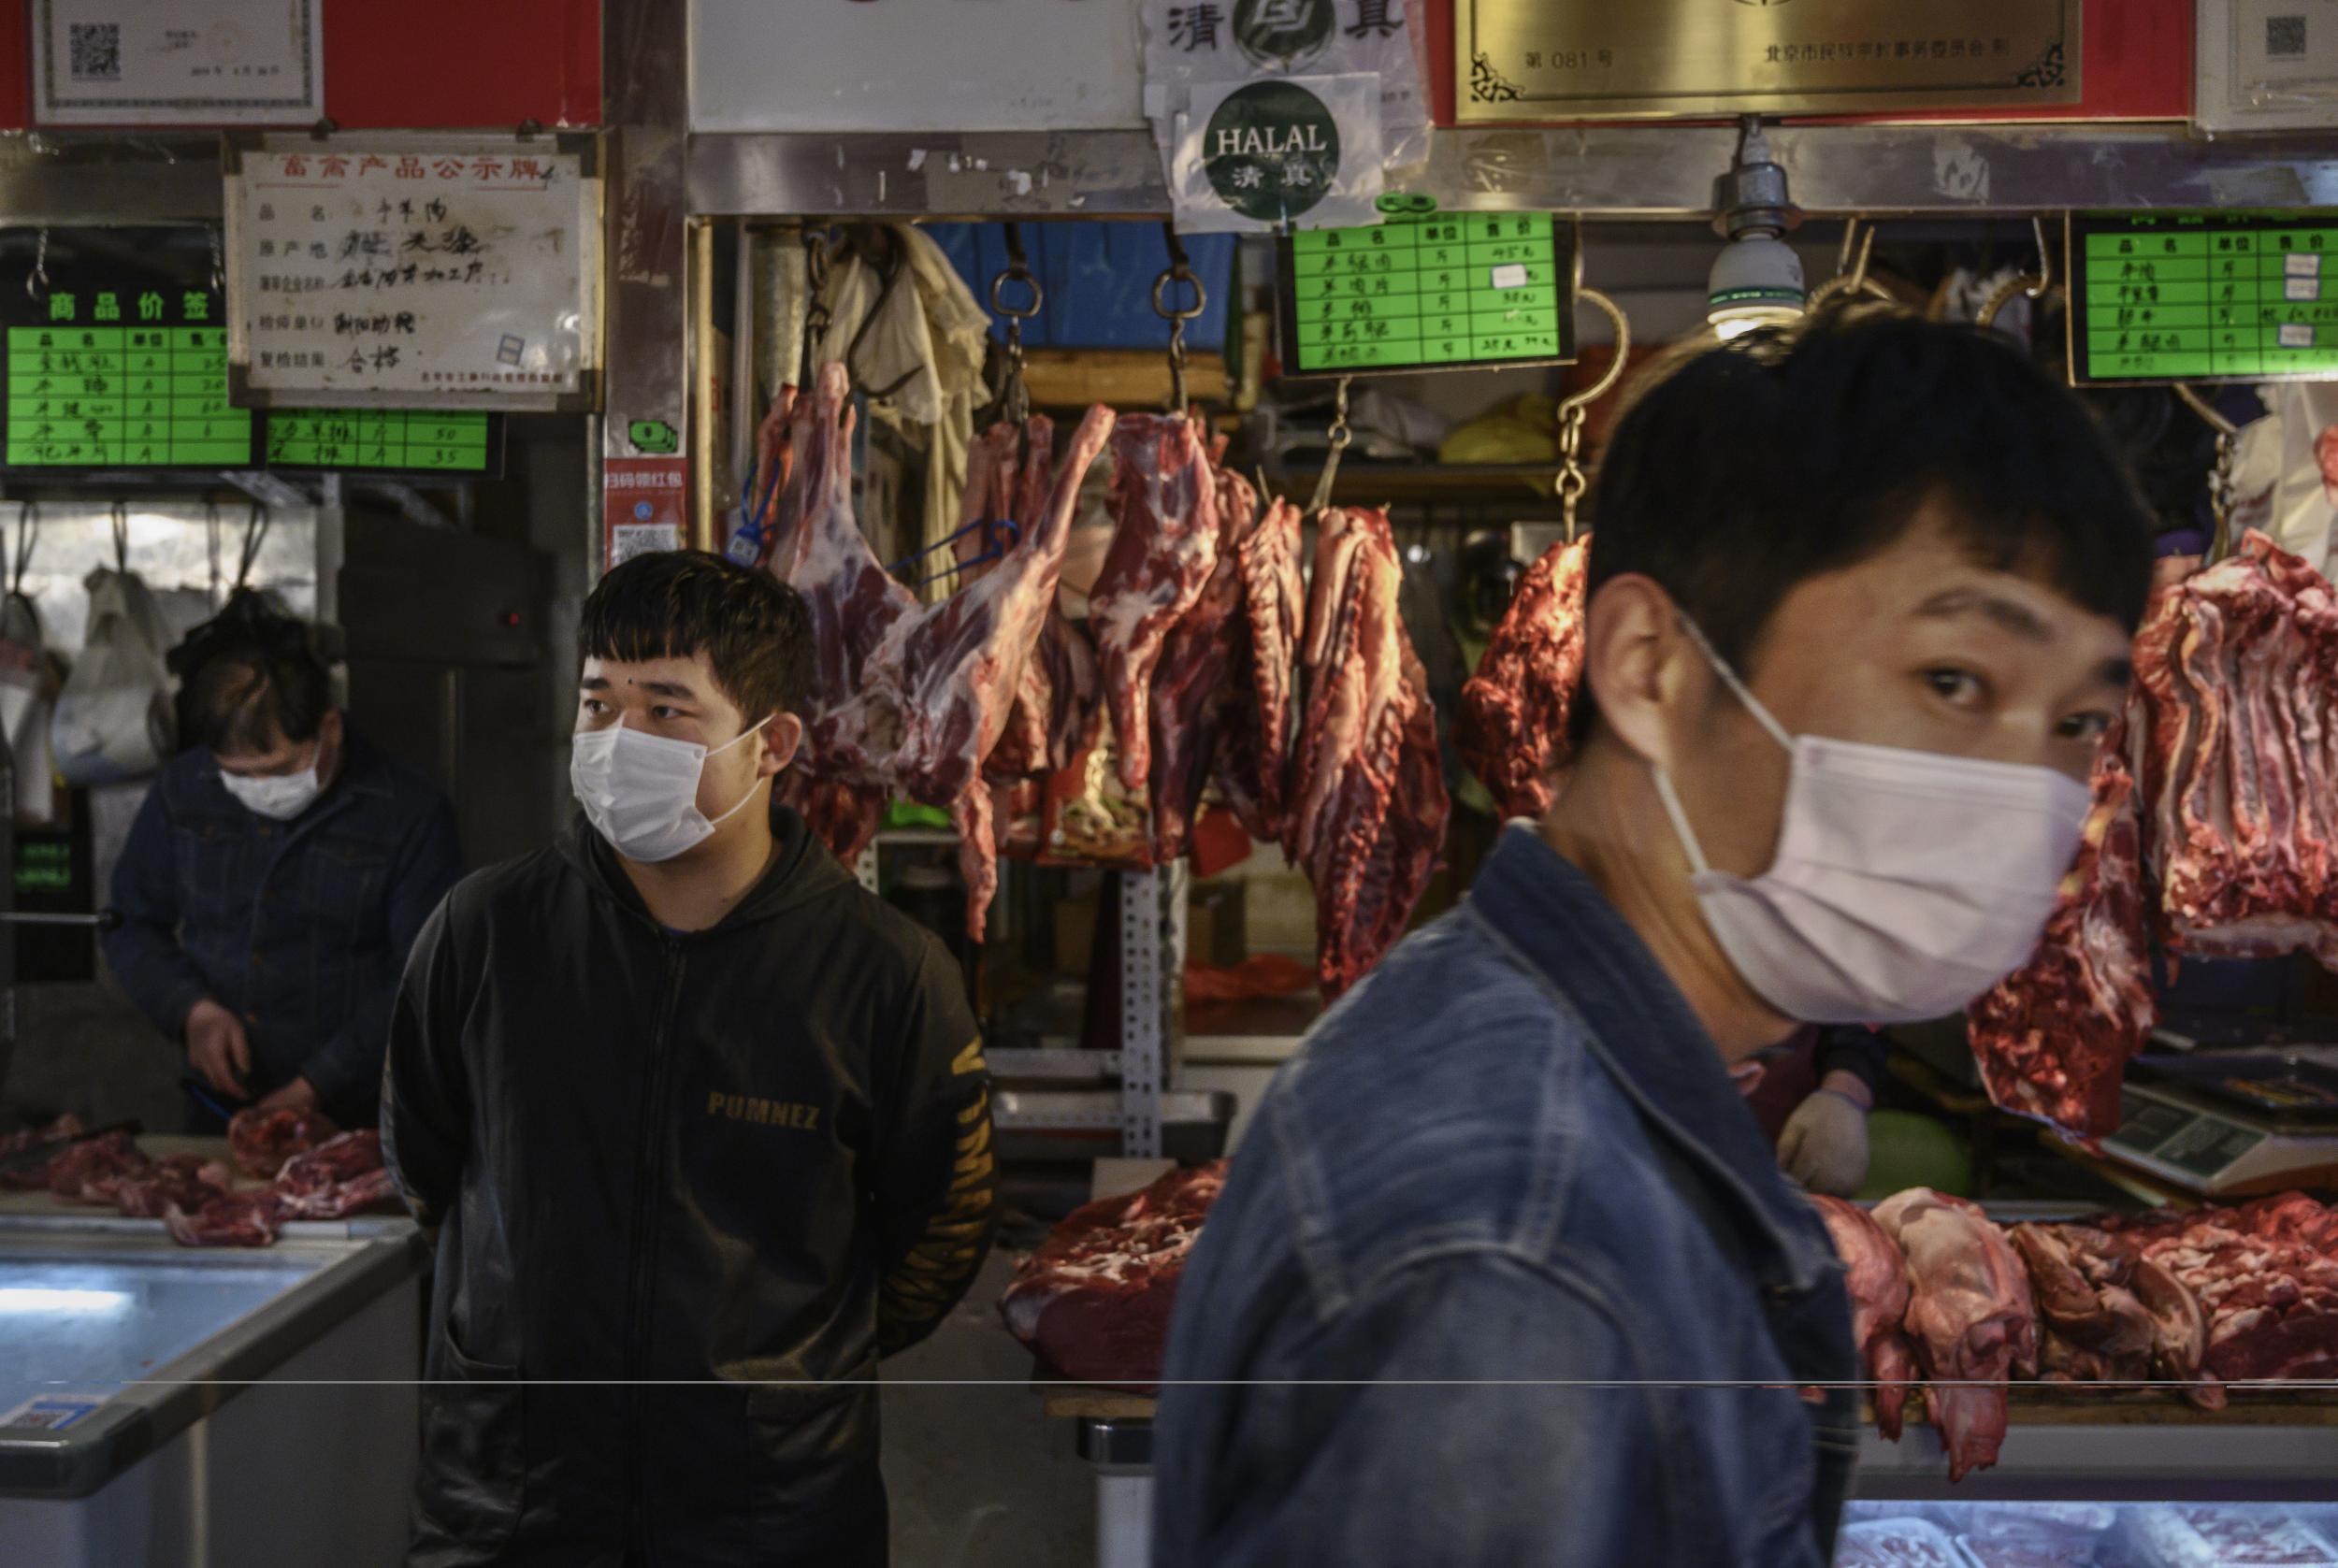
1504	1274
299	927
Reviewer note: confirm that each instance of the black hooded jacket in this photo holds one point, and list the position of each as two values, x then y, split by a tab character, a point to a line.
691	1186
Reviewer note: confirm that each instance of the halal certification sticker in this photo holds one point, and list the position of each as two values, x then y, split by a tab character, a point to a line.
1271	150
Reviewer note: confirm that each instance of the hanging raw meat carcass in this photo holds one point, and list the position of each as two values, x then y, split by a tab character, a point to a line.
2236	671
1200	678
911	698
1367	806
2052	1039
1164	547
1253	766
1512	727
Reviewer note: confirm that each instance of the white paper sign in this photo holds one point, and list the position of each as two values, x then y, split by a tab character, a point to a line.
1192	44
178	63
431	276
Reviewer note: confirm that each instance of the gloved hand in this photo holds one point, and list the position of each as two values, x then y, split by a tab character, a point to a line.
1825	1145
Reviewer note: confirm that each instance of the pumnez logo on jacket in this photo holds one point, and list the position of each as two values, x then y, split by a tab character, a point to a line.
763	1113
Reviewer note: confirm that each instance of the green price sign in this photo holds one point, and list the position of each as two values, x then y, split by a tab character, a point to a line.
1428	292
384	440
2203	296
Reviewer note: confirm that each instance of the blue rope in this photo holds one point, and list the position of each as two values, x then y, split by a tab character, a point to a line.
1013	534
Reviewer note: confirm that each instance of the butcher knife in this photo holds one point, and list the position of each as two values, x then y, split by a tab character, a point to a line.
42	1153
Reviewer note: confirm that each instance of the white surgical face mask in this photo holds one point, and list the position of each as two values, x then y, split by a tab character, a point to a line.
641	791
1906	882
280	797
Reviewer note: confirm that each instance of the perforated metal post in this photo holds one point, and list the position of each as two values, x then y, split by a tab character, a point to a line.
1144	1019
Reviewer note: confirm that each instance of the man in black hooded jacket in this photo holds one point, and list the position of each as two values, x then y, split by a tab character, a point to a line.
703	1126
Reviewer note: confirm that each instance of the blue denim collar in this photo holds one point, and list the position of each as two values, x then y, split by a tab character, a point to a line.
1546	910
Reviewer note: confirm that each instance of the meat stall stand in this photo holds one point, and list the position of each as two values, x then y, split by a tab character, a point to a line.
168	1407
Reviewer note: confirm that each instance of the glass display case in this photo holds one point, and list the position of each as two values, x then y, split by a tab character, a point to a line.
2084	1534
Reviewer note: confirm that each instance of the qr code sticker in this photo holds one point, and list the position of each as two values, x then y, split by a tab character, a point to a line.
2284	36
93	50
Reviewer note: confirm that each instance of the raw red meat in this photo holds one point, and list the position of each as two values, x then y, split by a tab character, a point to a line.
911	698
1093	1302
334	1179
2190	1536
1254	761
1055	702
2265	1276
184	1181
261	1141
78	1171
1164	546
1512	727
2107	1315
1367	804
1909	1542
1970	1316
2236	671
1199	681
2052	1039
239	1219
33	1177
1876	1277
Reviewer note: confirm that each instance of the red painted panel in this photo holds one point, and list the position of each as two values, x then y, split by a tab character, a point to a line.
2136	65
418	64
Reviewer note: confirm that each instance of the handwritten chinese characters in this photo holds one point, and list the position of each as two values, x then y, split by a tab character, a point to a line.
1432	291
383	274
2206	299
105	375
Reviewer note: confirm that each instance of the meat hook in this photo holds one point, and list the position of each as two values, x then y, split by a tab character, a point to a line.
1339	435
1851	271
2034	285
1572	480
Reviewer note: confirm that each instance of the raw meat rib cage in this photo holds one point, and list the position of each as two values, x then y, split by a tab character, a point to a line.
1513	727
1366	811
1093	1302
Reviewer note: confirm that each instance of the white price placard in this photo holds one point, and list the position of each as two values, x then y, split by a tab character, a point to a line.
420	274
178	63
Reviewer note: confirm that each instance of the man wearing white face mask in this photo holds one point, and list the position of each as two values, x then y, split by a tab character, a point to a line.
274	880
1505	1271
706	1126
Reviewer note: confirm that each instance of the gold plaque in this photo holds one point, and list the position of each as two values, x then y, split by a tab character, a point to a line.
1642	59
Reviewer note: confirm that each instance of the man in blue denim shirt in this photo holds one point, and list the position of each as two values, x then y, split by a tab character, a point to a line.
1504	1273
273	882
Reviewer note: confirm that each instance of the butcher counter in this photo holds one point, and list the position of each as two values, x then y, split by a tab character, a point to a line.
165	1406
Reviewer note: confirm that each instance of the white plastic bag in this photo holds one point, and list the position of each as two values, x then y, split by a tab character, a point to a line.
113	717
26	690
2285	471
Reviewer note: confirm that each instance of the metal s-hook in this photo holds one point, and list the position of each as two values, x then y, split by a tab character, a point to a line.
36	281
1014	395
1573	482
815	310
2032	285
120	516
1339	435
1850	270
1180	270
2220	477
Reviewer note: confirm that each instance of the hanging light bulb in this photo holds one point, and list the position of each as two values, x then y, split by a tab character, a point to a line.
1756	281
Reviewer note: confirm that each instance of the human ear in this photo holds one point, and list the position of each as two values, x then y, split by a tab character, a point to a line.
782	737
1632	663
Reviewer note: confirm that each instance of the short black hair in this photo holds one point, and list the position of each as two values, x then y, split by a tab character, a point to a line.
247	699
1753	466
677	604
249	677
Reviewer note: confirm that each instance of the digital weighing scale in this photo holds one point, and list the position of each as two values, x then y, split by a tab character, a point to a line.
2230	1124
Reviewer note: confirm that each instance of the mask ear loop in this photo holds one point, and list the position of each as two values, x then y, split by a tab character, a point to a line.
1665	792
